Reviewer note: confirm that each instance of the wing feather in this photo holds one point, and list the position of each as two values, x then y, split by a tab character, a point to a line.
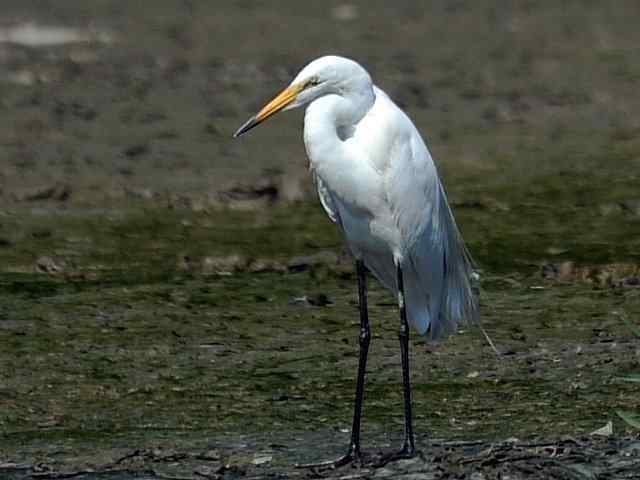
324	194
435	261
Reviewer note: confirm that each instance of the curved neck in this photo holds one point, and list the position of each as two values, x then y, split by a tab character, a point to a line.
331	119
343	110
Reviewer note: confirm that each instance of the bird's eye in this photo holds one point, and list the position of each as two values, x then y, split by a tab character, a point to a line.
312	82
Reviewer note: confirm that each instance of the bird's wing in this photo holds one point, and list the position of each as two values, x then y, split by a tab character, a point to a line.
325	198
436	264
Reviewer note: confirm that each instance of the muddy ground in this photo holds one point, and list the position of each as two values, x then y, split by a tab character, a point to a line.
174	304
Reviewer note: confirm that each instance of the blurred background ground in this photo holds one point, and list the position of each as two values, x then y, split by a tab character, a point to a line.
165	288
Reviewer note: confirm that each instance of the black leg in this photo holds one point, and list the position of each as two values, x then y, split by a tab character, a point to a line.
353	453
408	447
364	340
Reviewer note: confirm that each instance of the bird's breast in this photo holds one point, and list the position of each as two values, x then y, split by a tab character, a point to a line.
364	215
354	180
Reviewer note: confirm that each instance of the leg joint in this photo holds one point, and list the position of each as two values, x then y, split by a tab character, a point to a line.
403	332
365	337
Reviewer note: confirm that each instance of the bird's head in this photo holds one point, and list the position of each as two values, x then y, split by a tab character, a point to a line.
323	76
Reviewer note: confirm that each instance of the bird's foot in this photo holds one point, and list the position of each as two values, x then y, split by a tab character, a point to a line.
353	458
406	452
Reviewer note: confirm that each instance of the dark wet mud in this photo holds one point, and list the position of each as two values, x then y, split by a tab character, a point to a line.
128	338
563	459
174	304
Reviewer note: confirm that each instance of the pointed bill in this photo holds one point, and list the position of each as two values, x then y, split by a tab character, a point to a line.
287	96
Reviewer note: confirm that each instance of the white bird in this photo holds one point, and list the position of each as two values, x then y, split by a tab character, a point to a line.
376	180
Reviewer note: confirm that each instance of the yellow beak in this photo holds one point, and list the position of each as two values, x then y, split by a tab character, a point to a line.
285	97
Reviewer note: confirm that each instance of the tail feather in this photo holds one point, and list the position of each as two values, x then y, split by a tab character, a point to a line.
443	271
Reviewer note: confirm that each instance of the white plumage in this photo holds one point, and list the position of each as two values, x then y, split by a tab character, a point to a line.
376	180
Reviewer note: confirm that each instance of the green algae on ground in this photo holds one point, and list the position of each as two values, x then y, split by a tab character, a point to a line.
137	349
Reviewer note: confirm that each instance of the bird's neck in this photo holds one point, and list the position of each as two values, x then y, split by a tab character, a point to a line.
330	120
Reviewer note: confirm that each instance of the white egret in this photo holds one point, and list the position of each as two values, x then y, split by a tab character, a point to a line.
376	180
